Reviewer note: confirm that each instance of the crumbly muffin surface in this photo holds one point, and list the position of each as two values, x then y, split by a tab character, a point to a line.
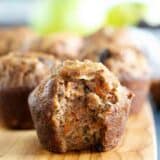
123	61
126	62
25	70
61	45
78	103
16	39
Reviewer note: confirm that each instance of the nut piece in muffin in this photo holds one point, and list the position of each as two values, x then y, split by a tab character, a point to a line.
128	64
19	75
16	39
81	107
61	45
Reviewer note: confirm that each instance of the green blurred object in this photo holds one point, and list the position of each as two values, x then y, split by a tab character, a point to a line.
79	16
125	14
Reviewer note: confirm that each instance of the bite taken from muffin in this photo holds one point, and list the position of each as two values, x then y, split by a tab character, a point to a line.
19	75
82	106
127	63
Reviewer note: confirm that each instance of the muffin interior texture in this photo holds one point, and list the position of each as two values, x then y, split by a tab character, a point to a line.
70	110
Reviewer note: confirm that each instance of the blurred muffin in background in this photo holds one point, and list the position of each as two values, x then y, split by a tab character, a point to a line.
19	75
149	45
16	39
61	45
126	62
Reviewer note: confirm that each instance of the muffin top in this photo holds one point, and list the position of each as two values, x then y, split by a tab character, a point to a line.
15	39
146	42
125	61
25	70
92	79
102	36
121	36
61	45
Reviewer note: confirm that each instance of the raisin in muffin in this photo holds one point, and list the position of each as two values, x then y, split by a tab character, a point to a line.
19	75
82	106
128	64
61	45
16	39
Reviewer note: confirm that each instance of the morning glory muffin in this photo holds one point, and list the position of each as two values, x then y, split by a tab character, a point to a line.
145	41
82	106
128	64
19	75
149	45
16	39
61	45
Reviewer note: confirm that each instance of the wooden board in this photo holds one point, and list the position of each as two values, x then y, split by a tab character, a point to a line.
138	143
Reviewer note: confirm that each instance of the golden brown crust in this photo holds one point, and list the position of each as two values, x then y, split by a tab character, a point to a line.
25	70
74	108
16	39
61	45
115	117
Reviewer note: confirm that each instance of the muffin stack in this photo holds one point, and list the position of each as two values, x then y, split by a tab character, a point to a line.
76	104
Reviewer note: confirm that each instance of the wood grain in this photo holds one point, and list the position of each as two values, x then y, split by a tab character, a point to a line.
138	143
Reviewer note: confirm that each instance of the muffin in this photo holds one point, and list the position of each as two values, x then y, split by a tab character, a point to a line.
19	75
16	39
61	45
127	63
145	41
81	107
150	47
